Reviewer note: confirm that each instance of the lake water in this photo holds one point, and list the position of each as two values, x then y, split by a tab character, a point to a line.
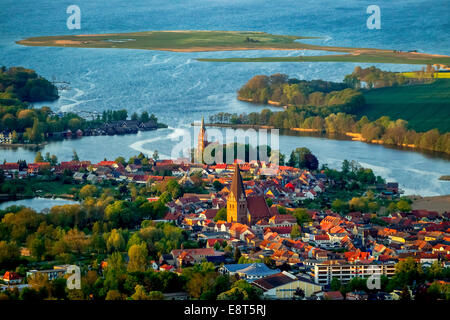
178	89
37	204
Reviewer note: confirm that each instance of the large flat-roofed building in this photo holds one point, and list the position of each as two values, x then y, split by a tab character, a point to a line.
248	271
324	271
51	274
284	285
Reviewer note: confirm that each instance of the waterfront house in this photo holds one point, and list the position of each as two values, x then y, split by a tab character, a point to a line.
35	168
10	167
6	137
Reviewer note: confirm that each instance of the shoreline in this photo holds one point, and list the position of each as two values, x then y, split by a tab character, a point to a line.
24	145
348	136
18	197
234	126
43	144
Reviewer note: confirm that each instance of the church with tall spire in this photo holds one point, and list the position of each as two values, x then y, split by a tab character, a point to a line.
237	200
243	209
202	141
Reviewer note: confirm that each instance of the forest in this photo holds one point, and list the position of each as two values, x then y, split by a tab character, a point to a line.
329	107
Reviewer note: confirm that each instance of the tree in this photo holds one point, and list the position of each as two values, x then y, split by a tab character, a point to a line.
75	156
302	216
35	134
217	185
9	253
221	215
120	213
138	256
237	254
53	160
134	116
144	117
403	206
241	290
295	232
392	207
339	206
435	270
155	295
76	241
40	282
38	157
200	282
140	293
88	190
405	294
335	284
303	158
407	271
114	295
120	160
115	241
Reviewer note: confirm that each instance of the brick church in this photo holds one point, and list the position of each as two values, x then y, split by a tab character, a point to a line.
243	209
202	141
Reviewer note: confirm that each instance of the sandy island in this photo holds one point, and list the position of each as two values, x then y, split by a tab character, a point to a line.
208	41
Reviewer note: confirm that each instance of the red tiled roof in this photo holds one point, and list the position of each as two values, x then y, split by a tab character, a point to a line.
11	276
212	242
9	166
333	295
321	237
257	207
280	230
106	163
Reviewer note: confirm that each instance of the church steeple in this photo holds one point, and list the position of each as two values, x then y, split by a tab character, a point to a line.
202	141
237	201
237	186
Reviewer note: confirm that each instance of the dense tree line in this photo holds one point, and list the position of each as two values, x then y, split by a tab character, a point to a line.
25	85
372	77
315	95
322	106
383	130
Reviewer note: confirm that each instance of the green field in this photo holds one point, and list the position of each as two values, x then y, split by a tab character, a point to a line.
425	106
52	187
366	57
427	75
198	41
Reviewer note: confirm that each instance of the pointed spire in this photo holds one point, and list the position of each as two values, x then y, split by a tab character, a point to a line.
237	186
